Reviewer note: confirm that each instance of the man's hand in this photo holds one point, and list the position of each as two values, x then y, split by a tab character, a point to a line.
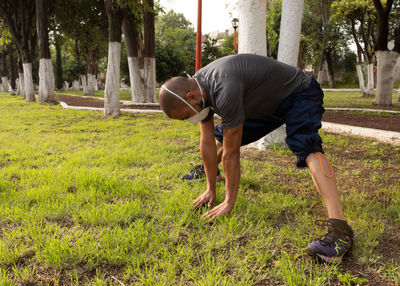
206	197
220	210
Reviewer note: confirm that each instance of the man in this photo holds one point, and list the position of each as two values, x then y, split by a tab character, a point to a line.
254	95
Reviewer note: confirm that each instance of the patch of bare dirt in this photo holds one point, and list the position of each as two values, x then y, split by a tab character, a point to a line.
387	122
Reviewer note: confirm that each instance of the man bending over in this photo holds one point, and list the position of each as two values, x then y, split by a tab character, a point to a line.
254	95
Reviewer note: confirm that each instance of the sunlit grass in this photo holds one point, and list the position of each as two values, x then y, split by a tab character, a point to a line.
355	100
89	200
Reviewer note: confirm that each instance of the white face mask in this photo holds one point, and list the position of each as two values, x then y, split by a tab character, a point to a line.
199	116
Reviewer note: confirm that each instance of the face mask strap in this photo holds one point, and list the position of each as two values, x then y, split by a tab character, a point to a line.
201	92
187	103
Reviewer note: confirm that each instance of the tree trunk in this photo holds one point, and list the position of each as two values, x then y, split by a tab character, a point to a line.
84	84
21	80
370	84
13	72
289	37
28	82
328	56
361	80
131	34
4	86
59	70
111	93
384	86
46	74
75	85
91	82
252	27
149	55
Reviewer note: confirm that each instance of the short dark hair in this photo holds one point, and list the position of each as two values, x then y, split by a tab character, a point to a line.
168	101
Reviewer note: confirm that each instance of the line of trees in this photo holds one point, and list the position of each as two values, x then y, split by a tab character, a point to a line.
28	27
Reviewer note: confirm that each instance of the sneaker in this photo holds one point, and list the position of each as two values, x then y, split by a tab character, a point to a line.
335	244
199	174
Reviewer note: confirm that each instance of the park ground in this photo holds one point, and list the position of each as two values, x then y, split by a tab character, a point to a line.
93	200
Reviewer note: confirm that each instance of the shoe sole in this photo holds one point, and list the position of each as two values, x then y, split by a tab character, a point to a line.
333	260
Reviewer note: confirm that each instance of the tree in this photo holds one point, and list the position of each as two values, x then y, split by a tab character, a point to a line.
5	49
227	46
252	27
210	50
19	17
89	40
176	34
289	37
59	69
358	18
386	59
140	49
46	74
111	93
273	23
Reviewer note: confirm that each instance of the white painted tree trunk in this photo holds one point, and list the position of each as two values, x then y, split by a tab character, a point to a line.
96	85
150	80
91	82
137	85
361	80
288	52
111	93
252	36
17	85
289	36
84	84
28	82
46	80
5	84
370	84
21	84
385	80
66	85
75	85
321	77
2	87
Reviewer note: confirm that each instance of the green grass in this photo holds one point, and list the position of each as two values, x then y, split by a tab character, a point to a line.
355	100
89	200
123	94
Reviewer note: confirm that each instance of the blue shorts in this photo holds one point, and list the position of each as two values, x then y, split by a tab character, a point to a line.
302	113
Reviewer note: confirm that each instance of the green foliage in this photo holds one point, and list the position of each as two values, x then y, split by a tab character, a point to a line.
175	45
210	50
227	45
274	11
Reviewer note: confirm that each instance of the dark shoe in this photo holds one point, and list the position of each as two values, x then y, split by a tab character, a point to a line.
198	174
335	244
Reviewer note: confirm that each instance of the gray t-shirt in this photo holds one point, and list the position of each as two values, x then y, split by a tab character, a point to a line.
247	86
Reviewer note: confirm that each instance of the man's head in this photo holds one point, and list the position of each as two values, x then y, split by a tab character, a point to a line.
181	98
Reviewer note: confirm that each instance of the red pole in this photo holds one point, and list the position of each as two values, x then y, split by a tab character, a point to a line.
235	43
198	38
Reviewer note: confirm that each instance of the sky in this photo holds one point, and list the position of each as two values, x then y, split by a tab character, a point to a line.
217	14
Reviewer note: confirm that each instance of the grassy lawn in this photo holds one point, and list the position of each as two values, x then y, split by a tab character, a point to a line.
123	94
355	100
89	200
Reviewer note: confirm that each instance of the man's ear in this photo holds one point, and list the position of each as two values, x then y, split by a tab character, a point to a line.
191	96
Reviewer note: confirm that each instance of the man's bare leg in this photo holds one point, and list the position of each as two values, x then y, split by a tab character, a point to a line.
325	182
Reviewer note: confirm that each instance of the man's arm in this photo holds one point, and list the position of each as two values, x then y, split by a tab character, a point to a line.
208	152
231	164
